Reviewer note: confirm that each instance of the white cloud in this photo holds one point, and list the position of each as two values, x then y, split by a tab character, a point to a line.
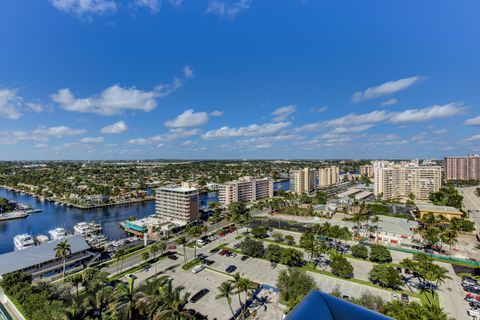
176	3
425	114
117	127
216	113
227	8
321	109
440	131
92	140
350	129
152	5
60	131
188	72
10	104
172	135
82	7
389	102
188	119
473	138
473	121
385	89
358	119
282	113
40	146
116	99
41	134
253	130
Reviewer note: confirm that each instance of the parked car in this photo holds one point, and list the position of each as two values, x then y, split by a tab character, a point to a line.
405	297
199	295
208	262
131	276
273	265
198	268
172	257
214	250
230	268
233	254
474	313
243	258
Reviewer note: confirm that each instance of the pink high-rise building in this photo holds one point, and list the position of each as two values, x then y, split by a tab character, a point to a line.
462	168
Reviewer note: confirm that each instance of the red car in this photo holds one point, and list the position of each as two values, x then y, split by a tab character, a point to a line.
224	252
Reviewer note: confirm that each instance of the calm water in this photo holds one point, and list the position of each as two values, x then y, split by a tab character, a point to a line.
53	216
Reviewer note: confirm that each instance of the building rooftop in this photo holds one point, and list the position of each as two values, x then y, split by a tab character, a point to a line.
321	306
348	193
22	259
434	208
177	189
363	195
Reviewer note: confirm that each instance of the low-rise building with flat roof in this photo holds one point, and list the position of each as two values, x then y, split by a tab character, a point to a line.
41	261
447	212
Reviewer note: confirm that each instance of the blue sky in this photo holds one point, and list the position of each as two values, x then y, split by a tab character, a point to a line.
218	79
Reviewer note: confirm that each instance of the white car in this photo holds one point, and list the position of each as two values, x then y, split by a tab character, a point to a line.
474	313
198	268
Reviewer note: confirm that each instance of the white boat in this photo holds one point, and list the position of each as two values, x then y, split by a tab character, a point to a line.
41	239
57	233
23	241
87	228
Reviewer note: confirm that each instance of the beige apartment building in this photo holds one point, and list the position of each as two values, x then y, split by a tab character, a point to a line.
328	176
367	170
177	204
302	180
245	189
399	182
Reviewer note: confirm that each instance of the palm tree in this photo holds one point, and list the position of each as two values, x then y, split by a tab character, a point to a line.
153	250
174	302
126	300
434	311
76	313
375	219
246	286
195	232
236	281
119	255
226	291
182	241
62	250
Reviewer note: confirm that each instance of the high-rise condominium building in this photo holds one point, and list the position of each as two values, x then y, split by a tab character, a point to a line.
328	176
302	180
462	168
367	170
400	182
177	204
245	189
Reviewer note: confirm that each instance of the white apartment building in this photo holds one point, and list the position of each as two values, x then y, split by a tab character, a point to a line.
328	176
367	170
177	204
395	181
245	189
302	180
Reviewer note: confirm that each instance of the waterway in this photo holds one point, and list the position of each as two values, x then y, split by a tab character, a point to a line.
53	216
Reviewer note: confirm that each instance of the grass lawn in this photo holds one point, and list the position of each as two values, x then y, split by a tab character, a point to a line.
309	267
130	270
192	263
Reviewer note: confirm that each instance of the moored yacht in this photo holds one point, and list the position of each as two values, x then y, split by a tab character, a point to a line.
87	228
41	239
57	233
23	241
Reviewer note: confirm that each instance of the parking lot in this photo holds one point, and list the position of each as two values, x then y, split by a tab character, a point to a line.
260	271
